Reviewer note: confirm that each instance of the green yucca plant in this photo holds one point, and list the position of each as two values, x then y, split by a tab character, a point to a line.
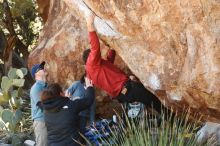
147	130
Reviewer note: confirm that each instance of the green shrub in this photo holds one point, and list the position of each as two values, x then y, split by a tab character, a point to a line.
145	131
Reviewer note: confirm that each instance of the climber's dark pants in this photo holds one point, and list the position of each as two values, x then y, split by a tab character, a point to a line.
137	92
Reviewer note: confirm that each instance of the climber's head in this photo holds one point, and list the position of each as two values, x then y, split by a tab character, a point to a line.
86	55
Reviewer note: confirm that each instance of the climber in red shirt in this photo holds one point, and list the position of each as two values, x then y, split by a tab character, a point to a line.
107	76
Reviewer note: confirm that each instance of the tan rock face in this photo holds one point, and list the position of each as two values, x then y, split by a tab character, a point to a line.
43	9
173	46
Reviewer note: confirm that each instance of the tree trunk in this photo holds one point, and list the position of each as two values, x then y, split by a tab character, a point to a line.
8	63
3	43
13	40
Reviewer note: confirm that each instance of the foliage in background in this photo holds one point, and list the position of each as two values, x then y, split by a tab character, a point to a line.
26	21
11	101
19	29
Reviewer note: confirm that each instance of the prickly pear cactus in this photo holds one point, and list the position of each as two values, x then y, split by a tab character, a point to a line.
10	94
15	78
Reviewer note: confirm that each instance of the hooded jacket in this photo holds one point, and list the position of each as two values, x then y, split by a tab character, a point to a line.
61	118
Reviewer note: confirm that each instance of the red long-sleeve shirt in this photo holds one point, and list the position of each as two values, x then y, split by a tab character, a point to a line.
103	73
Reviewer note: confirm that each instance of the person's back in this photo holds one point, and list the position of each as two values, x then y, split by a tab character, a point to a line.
61	114
76	90
62	125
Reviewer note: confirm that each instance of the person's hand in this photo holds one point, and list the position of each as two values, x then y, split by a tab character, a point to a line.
90	21
67	94
90	18
88	82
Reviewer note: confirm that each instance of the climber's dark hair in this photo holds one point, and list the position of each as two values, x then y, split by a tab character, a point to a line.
85	55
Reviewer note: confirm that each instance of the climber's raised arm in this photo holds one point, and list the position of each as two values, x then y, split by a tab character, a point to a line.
92	56
90	22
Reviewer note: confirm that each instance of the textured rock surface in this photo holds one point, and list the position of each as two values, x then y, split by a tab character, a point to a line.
173	46
209	130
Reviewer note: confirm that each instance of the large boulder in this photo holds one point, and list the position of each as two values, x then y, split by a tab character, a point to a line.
207	131
173	46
